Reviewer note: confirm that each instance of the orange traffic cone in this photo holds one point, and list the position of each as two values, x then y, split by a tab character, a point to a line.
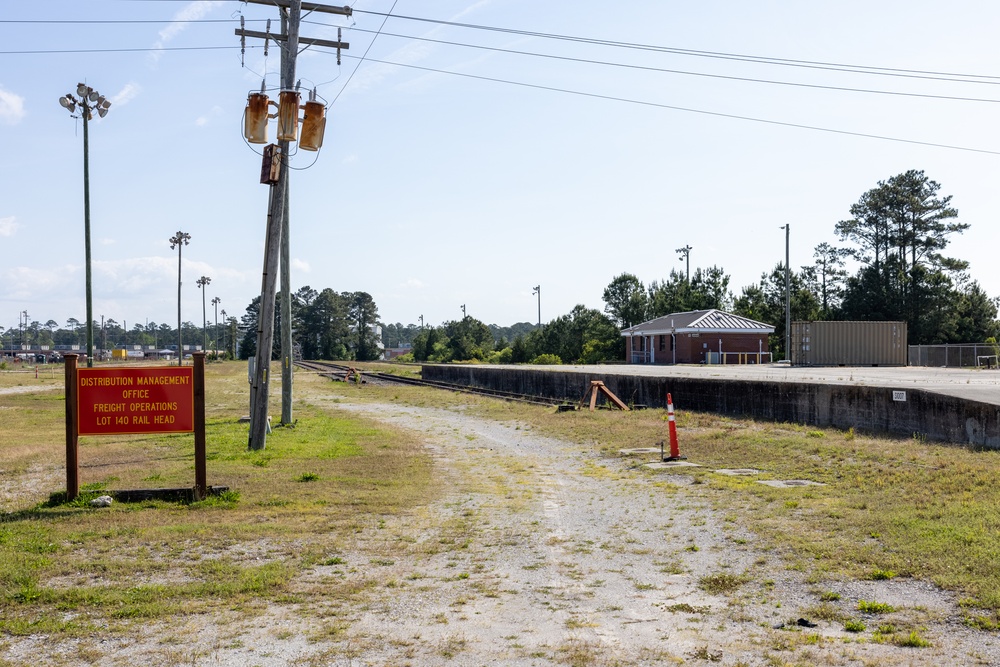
675	450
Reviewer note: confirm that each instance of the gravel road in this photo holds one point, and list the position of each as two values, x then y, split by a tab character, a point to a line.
545	552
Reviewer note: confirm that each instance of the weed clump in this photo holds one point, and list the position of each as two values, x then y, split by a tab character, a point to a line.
873	607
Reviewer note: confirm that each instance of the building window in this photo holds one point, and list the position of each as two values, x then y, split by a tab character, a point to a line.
663	343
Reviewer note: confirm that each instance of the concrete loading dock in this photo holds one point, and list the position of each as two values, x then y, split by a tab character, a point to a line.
950	405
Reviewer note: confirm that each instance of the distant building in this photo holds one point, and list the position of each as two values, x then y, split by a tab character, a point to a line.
393	352
698	337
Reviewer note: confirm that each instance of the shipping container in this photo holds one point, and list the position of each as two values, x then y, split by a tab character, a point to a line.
848	344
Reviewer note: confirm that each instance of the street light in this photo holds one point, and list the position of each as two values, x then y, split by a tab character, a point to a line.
202	284
686	253
225	346
538	290
215	302
788	299
179	240
90	101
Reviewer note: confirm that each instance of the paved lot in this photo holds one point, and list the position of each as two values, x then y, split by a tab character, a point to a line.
973	384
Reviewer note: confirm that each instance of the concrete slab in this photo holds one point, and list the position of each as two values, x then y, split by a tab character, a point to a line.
734	472
640	450
969	383
788	483
660	465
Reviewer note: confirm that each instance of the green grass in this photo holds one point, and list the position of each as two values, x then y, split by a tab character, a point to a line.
722	583
854	625
154	560
890	507
872	607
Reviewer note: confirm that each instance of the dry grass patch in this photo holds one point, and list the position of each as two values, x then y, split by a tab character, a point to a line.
889	505
151	560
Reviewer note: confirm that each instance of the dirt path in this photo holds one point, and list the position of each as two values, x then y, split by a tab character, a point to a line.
577	559
547	553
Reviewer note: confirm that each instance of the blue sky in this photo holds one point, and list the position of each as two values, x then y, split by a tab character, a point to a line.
438	186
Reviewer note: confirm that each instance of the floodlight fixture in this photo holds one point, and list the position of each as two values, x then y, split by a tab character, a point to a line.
86	96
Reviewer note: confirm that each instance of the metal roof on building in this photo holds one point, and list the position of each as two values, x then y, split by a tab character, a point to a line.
699	321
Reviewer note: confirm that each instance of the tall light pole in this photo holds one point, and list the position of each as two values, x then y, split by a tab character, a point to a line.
179	240
203	286
685	252
788	299
537	289
225	347
90	101
421	322
215	302
463	311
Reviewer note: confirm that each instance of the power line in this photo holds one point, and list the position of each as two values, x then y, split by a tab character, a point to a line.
648	68
122	21
717	114
768	60
123	50
363	55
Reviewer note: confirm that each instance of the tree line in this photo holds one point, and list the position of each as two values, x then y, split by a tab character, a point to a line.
325	325
110	334
895	241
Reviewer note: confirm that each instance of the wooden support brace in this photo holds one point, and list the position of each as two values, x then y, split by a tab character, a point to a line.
597	387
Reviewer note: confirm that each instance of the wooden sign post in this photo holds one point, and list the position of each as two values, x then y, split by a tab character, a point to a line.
118	401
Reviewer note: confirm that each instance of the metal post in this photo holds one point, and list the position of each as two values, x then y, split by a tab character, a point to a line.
200	474
538	291
686	251
179	240
788	299
72	430
86	235
215	345
203	286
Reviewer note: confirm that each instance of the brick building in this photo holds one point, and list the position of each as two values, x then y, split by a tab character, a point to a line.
698	337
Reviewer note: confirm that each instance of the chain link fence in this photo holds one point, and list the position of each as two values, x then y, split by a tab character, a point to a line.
964	355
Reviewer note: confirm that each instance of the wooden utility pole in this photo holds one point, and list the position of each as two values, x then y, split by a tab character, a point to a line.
276	207
278	231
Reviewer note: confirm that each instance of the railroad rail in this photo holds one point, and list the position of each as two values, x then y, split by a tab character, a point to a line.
336	371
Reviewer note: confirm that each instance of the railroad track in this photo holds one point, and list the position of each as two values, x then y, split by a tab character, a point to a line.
336	371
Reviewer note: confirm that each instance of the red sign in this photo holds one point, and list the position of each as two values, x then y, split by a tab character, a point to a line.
135	400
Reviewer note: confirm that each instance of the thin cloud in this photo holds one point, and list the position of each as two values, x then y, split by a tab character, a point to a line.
126	94
301	265
8	226
203	120
191	12
374	73
11	107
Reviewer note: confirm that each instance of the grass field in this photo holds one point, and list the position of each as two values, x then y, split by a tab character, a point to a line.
889	507
68	568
